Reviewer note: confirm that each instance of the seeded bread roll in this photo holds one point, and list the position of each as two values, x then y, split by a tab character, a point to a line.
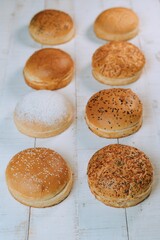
120	176
114	113
43	114
39	177
116	24
117	63
52	27
49	68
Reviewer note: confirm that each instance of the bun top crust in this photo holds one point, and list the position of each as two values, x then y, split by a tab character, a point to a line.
117	21
114	109
119	171
118	60
38	173
49	64
50	24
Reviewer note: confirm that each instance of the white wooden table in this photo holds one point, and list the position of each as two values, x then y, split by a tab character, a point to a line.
80	216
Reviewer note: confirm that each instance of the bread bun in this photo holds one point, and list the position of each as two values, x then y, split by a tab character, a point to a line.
114	113
52	27
49	68
39	177
43	114
120	176
116	24
117	63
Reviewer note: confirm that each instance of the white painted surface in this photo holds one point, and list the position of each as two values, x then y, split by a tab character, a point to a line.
80	216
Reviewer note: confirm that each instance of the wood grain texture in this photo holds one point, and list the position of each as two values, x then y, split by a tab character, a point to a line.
80	216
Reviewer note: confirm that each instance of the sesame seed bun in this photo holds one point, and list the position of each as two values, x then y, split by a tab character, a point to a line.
43	114
114	113
116	24
52	27
49	69
39	177
120	176
117	63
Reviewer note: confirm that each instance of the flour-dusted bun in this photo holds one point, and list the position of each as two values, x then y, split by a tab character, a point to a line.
117	63
49	68
120	175
43	114
116	24
52	27
39	177
114	113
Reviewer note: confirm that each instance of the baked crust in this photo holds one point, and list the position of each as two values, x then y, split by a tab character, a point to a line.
52	27
39	177
120	175
114	113
117	63
116	24
49	69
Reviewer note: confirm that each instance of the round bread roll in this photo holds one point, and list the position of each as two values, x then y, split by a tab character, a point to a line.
39	177
43	114
114	113
117	63
120	176
116	24
49	68
52	27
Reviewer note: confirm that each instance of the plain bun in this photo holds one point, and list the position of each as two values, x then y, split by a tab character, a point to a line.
49	69
116	24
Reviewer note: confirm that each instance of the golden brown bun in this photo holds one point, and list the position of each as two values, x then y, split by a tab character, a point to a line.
51	27
116	24
114	113
49	68
43	114
117	63
120	175
39	177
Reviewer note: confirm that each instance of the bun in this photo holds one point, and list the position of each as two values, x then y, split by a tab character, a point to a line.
49	68
43	114
114	113
120	176
51	27
117	63
39	177
116	24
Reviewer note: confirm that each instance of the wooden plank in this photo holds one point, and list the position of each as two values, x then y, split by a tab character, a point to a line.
143	219
14	216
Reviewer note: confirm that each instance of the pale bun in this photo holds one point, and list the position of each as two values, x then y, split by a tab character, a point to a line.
43	114
39	177
117	63
117	24
51	27
120	176
114	113
49	69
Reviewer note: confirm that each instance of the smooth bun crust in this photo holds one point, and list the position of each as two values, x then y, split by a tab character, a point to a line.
113	113
37	176
117	60
49	69
51	27
120	175
116	24
43	114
